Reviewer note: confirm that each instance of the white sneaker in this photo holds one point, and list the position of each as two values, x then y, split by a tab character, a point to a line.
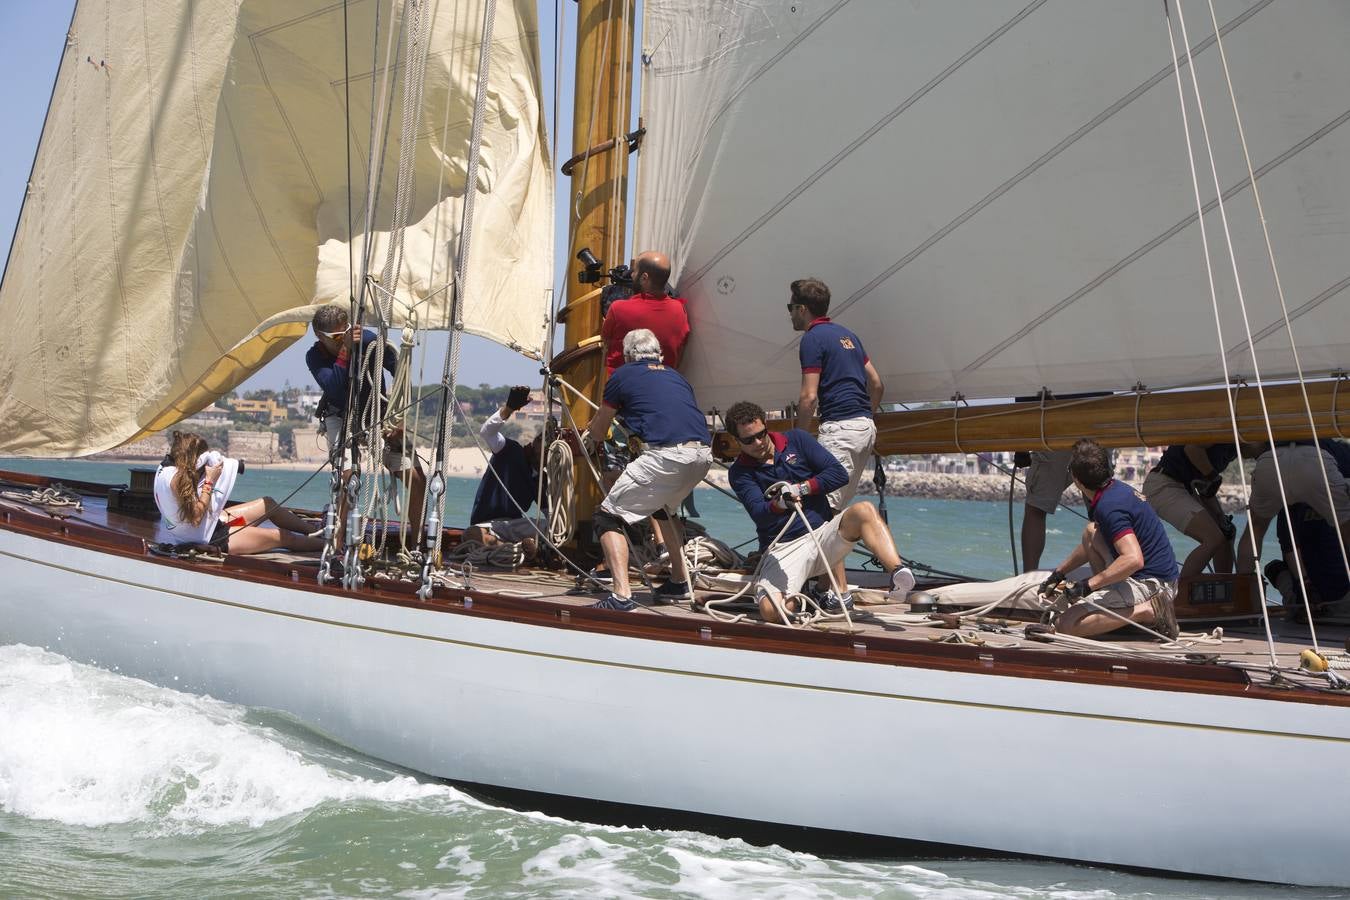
902	582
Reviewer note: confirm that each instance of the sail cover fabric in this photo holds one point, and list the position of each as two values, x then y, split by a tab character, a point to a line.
997	193
189	201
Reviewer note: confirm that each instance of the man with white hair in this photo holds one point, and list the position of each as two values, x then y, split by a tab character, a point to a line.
659	409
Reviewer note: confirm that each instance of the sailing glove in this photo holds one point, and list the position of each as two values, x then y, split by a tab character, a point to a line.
518	397
1077	590
1049	584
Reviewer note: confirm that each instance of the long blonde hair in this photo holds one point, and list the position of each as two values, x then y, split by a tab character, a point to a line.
184	449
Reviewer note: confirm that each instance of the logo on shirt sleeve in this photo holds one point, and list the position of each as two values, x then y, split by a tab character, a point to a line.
847	343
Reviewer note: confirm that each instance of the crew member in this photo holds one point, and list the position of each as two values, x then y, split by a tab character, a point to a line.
510	485
328	360
1301	464
803	473
1183	489
659	409
1047	479
648	308
838	381
1134	572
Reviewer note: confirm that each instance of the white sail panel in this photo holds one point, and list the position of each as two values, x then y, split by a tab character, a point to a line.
998	194
189	202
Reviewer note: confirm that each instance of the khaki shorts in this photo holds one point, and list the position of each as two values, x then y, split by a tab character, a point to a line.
1047	479
1127	594
1170	499
850	441
1302	484
658	479
788	566
394	460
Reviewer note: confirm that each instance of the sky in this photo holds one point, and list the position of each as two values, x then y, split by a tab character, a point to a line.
32	35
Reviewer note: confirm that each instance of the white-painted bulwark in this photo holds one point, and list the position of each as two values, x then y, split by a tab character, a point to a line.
1099	773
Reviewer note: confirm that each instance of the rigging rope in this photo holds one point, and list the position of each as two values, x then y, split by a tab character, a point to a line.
450	372
1279	291
1214	299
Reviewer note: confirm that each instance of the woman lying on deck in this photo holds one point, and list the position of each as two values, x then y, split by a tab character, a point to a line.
191	489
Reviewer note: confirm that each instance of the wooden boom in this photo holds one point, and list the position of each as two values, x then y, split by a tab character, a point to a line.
1117	420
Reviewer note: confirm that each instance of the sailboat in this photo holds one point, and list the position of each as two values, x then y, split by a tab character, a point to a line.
999	195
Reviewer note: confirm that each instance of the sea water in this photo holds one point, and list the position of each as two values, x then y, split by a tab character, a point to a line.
112	787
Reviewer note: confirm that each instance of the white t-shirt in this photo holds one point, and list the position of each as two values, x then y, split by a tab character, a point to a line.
184	532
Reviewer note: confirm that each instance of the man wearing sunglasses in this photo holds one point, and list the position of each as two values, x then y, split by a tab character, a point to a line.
328	362
777	474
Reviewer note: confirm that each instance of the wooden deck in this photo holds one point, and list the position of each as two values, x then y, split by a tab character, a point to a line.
1204	658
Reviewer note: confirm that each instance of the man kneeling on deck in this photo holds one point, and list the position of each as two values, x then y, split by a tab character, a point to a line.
804	473
1134	571
659	409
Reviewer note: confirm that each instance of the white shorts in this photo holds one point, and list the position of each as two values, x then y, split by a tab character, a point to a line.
850	441
513	531
788	566
1170	499
393	460
660	478
1047	479
1302	484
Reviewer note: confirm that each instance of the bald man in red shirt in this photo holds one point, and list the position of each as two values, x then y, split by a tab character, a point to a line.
649	308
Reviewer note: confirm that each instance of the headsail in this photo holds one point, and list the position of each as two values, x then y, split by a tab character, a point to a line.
998	193
189	202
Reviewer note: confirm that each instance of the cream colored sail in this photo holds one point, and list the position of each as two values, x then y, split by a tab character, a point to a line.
997	193
189	202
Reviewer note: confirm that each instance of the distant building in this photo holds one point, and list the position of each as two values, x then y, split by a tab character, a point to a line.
307	402
536	411
261	410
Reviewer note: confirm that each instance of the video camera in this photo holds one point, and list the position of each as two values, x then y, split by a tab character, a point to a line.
592	270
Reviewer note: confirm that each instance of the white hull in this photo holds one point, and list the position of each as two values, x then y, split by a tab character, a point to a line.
1101	773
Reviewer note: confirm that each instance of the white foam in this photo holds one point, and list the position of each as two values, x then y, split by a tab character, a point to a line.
85	747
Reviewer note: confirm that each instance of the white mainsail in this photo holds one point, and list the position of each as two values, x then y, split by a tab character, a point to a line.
997	193
189	201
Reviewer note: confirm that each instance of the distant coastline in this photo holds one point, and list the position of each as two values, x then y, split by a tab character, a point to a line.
467	462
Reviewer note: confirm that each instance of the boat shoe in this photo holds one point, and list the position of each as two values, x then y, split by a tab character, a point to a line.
672	592
616	603
902	582
832	604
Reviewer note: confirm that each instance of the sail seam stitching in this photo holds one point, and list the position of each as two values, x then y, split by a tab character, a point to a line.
1106	114
1157	241
862	139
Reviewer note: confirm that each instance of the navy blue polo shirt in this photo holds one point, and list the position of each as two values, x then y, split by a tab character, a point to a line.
1118	511
838	355
1175	465
511	492
797	457
656	403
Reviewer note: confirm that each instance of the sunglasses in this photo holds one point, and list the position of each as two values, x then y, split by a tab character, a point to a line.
792	305
333	335
754	438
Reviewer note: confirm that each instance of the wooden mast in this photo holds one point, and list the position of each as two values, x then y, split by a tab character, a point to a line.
596	204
